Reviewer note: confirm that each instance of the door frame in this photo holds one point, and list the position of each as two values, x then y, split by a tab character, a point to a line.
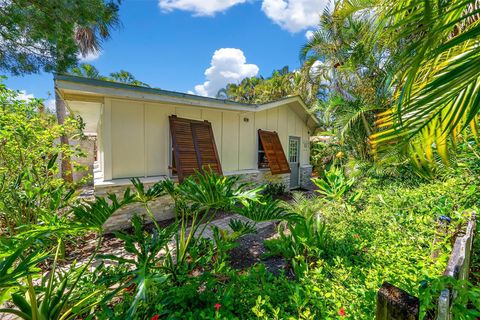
299	140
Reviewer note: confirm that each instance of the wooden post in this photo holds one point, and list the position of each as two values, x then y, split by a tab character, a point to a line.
395	304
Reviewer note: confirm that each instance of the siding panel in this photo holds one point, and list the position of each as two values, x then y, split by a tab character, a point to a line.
193	113
128	145
230	137
272	119
157	138
248	142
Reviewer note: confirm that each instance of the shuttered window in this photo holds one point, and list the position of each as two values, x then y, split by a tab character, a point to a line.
193	147
277	161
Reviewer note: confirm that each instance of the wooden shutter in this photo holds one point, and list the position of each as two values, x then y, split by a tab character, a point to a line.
273	150
193	146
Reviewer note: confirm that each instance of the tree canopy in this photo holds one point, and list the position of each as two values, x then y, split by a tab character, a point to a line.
50	35
89	71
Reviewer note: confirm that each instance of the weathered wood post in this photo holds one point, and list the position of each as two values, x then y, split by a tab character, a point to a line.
458	267
395	304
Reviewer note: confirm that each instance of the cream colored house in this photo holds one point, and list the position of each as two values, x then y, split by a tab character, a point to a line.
136	135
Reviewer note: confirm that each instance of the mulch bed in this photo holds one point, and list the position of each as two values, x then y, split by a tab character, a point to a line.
251	250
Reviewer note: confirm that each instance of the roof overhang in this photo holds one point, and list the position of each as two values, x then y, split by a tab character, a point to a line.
75	89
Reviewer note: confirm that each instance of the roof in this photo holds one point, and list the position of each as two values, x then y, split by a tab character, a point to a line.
109	88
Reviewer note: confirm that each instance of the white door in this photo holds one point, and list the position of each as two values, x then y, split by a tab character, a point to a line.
294	161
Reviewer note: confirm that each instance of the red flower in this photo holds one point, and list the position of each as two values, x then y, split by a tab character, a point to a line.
217	306
155	317
342	312
356	236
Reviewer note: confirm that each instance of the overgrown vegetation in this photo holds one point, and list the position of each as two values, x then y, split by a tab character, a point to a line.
393	84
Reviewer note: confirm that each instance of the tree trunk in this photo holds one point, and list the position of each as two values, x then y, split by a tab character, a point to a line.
66	166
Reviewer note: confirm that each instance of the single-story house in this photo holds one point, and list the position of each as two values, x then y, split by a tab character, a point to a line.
154	134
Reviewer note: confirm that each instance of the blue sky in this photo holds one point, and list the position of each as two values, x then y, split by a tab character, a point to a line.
170	43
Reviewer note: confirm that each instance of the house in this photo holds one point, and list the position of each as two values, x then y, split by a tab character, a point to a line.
154	134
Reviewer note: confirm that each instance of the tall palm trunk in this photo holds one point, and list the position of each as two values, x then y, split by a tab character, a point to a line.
66	165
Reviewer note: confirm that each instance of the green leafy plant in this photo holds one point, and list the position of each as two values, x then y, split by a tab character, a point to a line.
465	303
55	297
145	269
30	189
335	184
274	189
242	227
304	238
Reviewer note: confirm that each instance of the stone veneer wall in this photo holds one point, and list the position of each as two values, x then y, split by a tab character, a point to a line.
163	207
305	176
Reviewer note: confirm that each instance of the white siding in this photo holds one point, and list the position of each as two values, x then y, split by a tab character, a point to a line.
128	144
140	135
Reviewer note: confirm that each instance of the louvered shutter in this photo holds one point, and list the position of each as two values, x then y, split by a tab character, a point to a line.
207	155
193	146
274	152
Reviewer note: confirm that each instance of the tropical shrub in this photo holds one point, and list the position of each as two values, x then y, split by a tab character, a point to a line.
30	188
304	238
274	189
335	184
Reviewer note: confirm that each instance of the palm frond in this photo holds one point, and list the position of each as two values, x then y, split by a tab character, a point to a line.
438	82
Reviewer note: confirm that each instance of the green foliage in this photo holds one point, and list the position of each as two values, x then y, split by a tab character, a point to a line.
95	213
36	39
352	75
465	303
304	238
281	84
30	190
266	211
436	88
211	191
274	189
335	184
89	71
143	271
54	297
390	234
322	155
242	227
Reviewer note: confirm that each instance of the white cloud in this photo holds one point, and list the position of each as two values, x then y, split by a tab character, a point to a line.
50	105
294	15
92	56
309	35
23	95
228	65
198	7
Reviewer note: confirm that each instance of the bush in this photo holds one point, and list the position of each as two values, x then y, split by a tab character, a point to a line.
29	148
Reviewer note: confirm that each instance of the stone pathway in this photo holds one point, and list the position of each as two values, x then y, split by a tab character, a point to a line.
115	247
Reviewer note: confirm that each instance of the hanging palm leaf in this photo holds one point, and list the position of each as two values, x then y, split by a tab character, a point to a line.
437	81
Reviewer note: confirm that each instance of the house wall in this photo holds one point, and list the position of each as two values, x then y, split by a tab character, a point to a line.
137	137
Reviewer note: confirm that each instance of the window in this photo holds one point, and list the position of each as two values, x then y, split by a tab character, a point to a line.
193	147
293	149
262	157
273	152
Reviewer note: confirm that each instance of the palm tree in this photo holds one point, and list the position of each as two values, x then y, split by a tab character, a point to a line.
88	38
437	74
87	71
352	74
126	77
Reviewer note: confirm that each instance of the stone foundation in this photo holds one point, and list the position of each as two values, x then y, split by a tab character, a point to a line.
163	207
306	176
258	177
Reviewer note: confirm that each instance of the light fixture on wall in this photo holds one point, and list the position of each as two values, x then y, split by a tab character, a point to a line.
246	119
